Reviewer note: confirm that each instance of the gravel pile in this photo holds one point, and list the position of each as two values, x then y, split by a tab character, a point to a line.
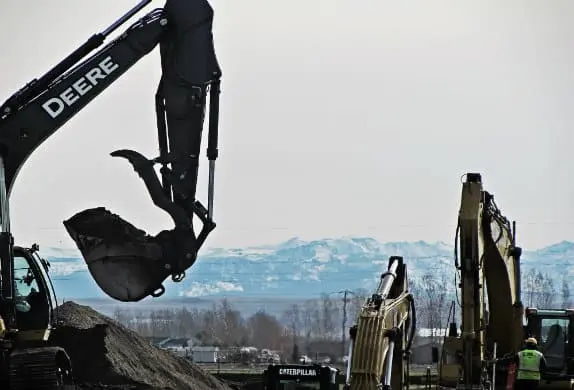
107	355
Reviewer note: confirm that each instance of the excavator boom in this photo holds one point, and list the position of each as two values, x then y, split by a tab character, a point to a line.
488	262
125	262
381	340
494	321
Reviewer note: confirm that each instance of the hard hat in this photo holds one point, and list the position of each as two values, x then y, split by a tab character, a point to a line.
531	340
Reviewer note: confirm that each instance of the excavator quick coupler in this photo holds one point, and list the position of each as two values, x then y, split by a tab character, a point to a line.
126	262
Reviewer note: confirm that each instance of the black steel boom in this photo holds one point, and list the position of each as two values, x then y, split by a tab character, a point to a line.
127	263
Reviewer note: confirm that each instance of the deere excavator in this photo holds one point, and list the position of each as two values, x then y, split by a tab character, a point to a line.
494	321
379	351
126	263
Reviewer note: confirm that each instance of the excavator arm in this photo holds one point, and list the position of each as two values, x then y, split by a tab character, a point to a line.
486	255
381	340
127	263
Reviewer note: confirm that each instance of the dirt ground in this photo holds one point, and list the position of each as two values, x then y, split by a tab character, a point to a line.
106	355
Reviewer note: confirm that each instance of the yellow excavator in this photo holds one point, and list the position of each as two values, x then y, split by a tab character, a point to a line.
494	321
379	351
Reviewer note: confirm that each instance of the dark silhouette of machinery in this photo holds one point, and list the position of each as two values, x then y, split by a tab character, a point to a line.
125	262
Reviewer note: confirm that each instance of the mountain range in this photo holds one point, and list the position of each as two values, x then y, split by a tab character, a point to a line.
300	269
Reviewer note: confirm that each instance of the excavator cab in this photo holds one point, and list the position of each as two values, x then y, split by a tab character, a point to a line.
34	295
27	320
553	329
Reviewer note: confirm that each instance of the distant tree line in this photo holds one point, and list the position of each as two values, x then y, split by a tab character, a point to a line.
313	327
316	326
540	290
434	302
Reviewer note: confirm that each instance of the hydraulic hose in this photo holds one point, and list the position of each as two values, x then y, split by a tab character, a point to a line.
414	322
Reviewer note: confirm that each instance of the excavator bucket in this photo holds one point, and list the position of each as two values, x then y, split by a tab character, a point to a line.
127	263
124	261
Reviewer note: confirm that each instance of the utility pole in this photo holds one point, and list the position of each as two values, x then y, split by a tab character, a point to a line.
344	324
344	321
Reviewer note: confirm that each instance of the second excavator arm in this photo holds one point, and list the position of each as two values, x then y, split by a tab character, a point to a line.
488	261
381	340
125	262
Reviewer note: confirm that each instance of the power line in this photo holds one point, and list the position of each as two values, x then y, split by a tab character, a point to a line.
363	227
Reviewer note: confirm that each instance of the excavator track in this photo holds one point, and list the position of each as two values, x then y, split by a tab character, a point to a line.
38	368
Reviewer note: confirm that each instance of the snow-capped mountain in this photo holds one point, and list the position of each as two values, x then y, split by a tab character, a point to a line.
301	269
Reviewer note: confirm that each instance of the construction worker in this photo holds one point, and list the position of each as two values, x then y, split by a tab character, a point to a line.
530	363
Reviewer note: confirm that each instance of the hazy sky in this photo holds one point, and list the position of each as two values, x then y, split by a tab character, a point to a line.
336	119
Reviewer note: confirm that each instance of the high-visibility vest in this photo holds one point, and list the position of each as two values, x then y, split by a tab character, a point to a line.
529	364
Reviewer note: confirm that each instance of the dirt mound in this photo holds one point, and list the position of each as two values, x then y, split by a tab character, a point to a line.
105	352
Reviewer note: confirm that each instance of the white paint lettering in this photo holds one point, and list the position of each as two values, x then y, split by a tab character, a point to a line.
108	66
51	110
94	74
57	104
81	86
69	97
297	372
